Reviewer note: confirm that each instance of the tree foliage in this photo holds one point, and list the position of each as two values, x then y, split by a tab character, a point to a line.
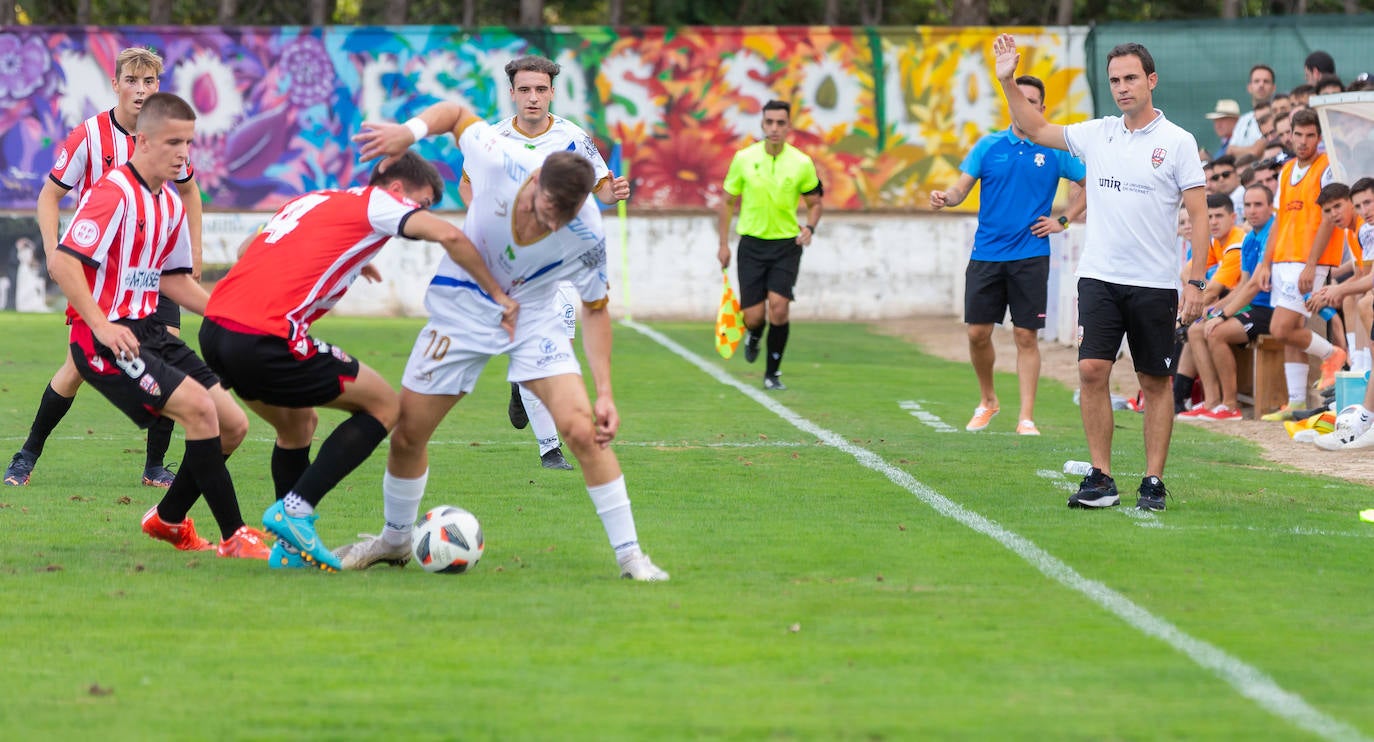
671	12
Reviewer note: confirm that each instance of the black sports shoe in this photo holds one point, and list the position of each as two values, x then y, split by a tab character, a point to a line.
554	460
516	409
773	383
1097	491
751	347
1152	494
21	466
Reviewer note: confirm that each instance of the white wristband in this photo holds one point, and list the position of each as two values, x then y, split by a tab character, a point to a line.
418	128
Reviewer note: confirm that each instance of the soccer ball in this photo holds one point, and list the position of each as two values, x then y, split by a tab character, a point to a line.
1348	422
448	540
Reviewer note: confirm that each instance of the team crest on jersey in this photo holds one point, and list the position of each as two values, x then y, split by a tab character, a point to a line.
61	160
85	233
1039	159
149	385
1157	158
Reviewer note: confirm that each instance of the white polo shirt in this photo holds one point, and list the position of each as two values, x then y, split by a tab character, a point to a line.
1135	184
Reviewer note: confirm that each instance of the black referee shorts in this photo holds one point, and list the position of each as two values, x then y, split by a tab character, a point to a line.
767	265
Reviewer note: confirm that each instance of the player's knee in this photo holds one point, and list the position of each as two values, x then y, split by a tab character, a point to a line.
579	434
1094	372
387	410
1026	339
196	412
233	428
67	380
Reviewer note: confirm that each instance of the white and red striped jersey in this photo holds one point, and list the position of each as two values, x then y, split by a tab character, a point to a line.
128	236
305	259
94	148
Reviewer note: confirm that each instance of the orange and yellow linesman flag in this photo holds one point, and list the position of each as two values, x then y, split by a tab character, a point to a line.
729	322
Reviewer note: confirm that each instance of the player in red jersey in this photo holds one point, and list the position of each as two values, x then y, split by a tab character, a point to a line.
99	144
127	241
256	335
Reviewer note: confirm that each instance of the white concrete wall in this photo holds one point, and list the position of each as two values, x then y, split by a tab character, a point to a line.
860	267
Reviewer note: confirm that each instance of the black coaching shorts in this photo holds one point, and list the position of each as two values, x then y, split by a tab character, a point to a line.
767	265
991	286
265	368
1255	320
141	386
1146	316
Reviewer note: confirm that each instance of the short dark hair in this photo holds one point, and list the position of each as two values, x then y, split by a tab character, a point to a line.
1333	192
1326	80
1266	68
1307	117
1363	184
778	105
1139	51
1225	160
413	171
532	63
1268	194
159	107
1321	62
1034	82
567	179
1303	89
1220	201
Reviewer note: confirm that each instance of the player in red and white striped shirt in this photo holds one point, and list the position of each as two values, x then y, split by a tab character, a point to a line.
257	325
99	144
127	240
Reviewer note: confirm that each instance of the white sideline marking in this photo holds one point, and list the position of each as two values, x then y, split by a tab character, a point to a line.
929	418
1249	681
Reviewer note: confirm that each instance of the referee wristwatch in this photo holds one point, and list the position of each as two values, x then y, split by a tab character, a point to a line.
810	227
1199	283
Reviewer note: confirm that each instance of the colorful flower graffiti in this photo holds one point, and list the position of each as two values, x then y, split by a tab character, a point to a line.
887	115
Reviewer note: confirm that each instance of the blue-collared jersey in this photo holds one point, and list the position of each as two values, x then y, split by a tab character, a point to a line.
1251	252
1019	179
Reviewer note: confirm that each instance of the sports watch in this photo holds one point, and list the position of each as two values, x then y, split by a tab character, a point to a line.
1064	222
1199	283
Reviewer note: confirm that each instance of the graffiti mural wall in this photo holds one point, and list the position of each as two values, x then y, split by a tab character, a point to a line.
887	115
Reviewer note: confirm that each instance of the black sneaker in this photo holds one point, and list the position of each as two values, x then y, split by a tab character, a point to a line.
1097	491
751	347
516	409
158	476
554	460
21	466
773	383
1152	494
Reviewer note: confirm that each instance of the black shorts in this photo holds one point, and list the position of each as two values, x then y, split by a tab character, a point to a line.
990	287
168	313
264	368
1255	320
1146	316
766	265
139	388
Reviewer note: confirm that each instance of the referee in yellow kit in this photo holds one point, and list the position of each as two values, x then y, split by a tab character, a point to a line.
766	178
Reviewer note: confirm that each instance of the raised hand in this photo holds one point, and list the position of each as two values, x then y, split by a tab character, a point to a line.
1004	50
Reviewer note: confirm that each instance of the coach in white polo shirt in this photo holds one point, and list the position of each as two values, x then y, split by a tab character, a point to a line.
1140	167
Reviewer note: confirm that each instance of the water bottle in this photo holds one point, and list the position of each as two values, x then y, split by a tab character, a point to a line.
1326	312
1078	468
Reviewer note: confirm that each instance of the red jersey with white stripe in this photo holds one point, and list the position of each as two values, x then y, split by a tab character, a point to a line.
127	236
305	259
93	149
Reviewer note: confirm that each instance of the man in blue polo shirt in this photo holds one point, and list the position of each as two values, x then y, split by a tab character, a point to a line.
1010	264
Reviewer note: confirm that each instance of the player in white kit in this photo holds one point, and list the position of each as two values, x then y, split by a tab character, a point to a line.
534	226
531	91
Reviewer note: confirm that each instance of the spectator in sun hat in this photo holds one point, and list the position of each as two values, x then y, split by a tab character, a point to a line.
1224	118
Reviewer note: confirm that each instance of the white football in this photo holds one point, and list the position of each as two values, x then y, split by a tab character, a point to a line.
447	540
1349	419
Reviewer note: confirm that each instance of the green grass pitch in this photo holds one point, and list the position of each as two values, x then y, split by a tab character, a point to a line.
812	597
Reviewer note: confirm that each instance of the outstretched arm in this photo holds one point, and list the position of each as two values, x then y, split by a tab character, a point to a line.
423	225
389	140
1023	114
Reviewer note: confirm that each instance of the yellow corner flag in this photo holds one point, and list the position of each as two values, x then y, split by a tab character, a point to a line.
730	321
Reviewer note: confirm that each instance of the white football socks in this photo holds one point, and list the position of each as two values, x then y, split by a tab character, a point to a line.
401	506
613	505
296	506
541	422
1296	376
